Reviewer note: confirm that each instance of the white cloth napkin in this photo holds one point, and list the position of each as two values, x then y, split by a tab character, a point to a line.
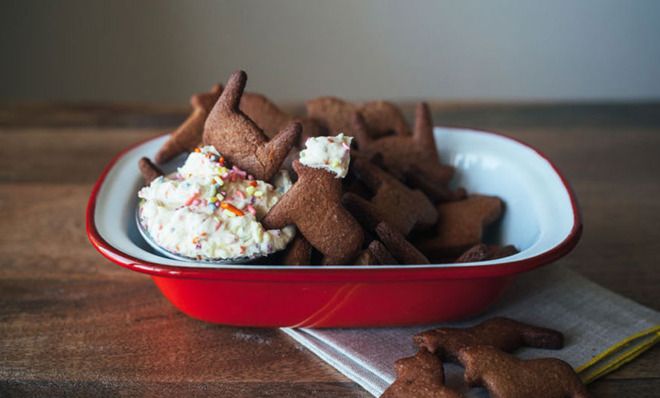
602	331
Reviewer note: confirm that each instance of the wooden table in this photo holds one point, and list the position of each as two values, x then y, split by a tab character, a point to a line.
72	323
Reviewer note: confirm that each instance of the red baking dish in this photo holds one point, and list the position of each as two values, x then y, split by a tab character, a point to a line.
541	219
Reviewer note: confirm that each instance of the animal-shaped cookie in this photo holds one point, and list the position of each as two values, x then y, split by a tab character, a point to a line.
313	204
403	208
397	244
433	180
189	134
482	252
240	140
505	376
264	113
361	209
381	117
504	333
401	151
475	253
272	119
460	226
149	170
299	252
496	251
419	376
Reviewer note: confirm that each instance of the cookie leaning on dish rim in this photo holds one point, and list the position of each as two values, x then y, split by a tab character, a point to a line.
461	225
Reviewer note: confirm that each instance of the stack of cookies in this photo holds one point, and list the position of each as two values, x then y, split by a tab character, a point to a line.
369	189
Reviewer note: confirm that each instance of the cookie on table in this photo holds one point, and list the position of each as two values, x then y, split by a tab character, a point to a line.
500	332
421	376
403	208
240	140
400	151
336	115
460	226
505	376
149	170
313	204
189	134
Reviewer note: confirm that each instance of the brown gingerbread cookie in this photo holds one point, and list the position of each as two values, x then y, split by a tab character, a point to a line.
264	113
401	151
381	117
482	252
240	140
475	253
421	376
433	180
505	376
384	118
149	170
361	209
376	254
504	333
460	226
403	208
310	128
397	244
313	204
299	252
496	251
272	119
189	134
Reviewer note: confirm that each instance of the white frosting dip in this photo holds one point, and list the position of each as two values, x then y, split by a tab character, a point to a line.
329	153
207	210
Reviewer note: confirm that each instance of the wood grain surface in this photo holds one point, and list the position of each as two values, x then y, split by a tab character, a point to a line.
74	324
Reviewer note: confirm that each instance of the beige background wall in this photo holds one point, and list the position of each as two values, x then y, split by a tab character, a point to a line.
163	50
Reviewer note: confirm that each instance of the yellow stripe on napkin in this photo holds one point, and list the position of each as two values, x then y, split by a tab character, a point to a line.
619	354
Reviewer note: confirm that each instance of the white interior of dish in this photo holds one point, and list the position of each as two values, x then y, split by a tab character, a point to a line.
538	213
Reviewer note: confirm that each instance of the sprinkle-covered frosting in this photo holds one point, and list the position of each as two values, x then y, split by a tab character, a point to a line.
329	153
209	210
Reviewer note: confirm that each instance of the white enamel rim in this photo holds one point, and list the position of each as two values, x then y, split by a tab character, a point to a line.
541	216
